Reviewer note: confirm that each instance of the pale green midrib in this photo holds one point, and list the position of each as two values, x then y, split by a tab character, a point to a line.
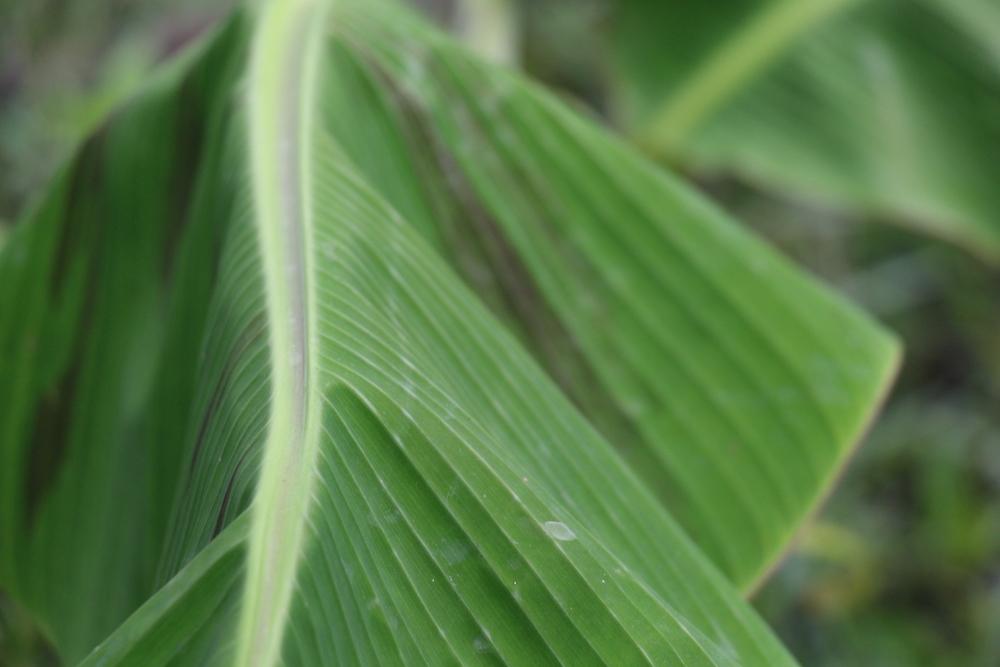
281	89
732	65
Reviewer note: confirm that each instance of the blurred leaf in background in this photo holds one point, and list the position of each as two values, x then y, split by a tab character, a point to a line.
22	644
887	108
65	65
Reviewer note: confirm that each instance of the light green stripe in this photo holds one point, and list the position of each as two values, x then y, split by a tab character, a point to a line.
281	90
738	60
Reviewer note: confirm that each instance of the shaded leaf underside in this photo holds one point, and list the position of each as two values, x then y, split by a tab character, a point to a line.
480	259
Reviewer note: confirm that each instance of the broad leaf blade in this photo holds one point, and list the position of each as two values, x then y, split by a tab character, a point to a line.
440	496
732	385
462	507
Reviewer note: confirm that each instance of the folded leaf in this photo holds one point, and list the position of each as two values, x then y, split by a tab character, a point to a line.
279	356
732	385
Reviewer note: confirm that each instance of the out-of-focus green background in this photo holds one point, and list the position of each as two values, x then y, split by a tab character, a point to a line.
902	565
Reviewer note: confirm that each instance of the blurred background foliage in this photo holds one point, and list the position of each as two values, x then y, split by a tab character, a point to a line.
901	566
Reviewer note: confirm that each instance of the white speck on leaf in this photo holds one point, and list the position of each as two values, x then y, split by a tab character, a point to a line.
454	551
557	530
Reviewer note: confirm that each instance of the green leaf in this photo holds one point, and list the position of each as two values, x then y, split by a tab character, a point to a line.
290	357
887	108
729	383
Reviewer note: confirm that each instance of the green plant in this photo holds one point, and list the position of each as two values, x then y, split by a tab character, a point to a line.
886	108
338	345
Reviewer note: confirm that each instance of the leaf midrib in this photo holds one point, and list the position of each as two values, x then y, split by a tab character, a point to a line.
281	87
